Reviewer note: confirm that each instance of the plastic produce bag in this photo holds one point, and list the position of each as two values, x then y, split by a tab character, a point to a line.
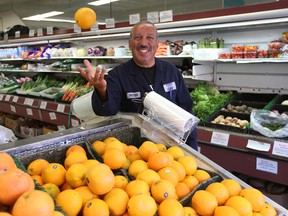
269	123
6	135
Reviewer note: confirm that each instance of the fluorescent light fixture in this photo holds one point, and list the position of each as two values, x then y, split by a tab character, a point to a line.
39	17
101	2
55	20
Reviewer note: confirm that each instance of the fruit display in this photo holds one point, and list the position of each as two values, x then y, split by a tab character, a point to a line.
110	176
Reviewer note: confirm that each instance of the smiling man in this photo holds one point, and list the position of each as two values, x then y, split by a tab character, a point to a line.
127	83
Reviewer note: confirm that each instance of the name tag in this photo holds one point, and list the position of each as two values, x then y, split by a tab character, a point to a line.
169	86
133	95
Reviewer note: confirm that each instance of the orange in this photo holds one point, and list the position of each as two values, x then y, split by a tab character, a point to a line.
268	210
137	187
69	201
100	179
97	207
225	211
36	166
57	213
182	190
14	182
191	181
65	186
141	204
189	164
117	200
256	214
204	202
38	179
111	138
149	176
5	214
255	197
179	169
99	147
52	189
158	160
120	181
114	144
126	165
6	161
74	157
136	167
176	152
146	149
219	191
134	156
161	147
131	149
163	189
114	158
240	204
233	186
85	17
85	193
54	173
170	174
75	148
189	211
170	207
90	162
75	175
201	175
34	202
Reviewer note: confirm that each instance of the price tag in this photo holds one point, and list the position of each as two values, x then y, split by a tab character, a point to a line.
76	28
17	34
267	165
220	138
74	123
43	105
15	99
95	27
31	33
6	37
134	18
61	127
28	101
110	23
1	97
259	146
12	108
7	98
60	108
280	148
49	30
39	32
166	16
52	116
29	112
153	17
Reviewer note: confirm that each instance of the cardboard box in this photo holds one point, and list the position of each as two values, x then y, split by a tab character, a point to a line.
12	123
49	129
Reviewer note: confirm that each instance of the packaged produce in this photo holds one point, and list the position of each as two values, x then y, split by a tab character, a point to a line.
224	55
237	55
252	54
238	48
250	48
262	54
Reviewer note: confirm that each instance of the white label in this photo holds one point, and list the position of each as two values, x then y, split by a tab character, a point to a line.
13	109
76	28
94	27
17	34
74	123
259	146
267	165
6	37
43	105
220	138
60	108
31	33
166	16
110	23
49	30
52	116
15	99
39	32
29	111
7	98
280	148
134	18
1	96
61	127
28	101
153	17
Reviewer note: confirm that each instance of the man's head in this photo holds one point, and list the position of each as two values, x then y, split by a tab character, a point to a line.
143	43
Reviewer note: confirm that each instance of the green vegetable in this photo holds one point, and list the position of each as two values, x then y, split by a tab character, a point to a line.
273	126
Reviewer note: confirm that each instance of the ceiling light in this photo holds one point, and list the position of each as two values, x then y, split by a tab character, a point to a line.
56	20
39	17
101	2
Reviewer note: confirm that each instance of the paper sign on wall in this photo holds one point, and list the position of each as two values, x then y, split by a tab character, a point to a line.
220	138
166	16
267	165
110	23
134	18
153	17
280	148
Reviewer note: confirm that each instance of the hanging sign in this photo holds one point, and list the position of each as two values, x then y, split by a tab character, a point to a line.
166	16
134	18
153	17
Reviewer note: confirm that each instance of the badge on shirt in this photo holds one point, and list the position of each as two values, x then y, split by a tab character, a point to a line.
133	95
169	86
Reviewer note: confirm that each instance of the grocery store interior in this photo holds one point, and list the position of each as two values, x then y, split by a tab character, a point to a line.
232	54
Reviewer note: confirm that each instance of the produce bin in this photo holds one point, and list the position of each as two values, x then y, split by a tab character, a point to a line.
131	130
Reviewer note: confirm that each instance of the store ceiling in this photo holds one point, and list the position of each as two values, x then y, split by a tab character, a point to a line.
119	10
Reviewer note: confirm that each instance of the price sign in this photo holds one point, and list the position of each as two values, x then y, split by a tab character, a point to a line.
39	32
15	99
60	108
110	23
13	109
267	165
1	97
49	30
7	98
17	34
61	127
134	18
280	148
166	16
28	101
31	33
74	123
153	17
220	138
43	105
29	112
52	116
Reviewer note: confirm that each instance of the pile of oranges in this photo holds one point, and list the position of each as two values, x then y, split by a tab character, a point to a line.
159	178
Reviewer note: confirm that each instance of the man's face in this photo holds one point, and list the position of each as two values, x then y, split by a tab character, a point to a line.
143	44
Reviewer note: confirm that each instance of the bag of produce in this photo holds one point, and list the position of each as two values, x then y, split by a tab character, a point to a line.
6	135
269	123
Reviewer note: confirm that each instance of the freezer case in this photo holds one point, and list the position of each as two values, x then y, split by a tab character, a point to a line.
131	129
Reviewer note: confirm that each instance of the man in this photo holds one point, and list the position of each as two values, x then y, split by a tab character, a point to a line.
127	83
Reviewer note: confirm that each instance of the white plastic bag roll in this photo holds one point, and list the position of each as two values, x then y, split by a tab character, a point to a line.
168	112
82	107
